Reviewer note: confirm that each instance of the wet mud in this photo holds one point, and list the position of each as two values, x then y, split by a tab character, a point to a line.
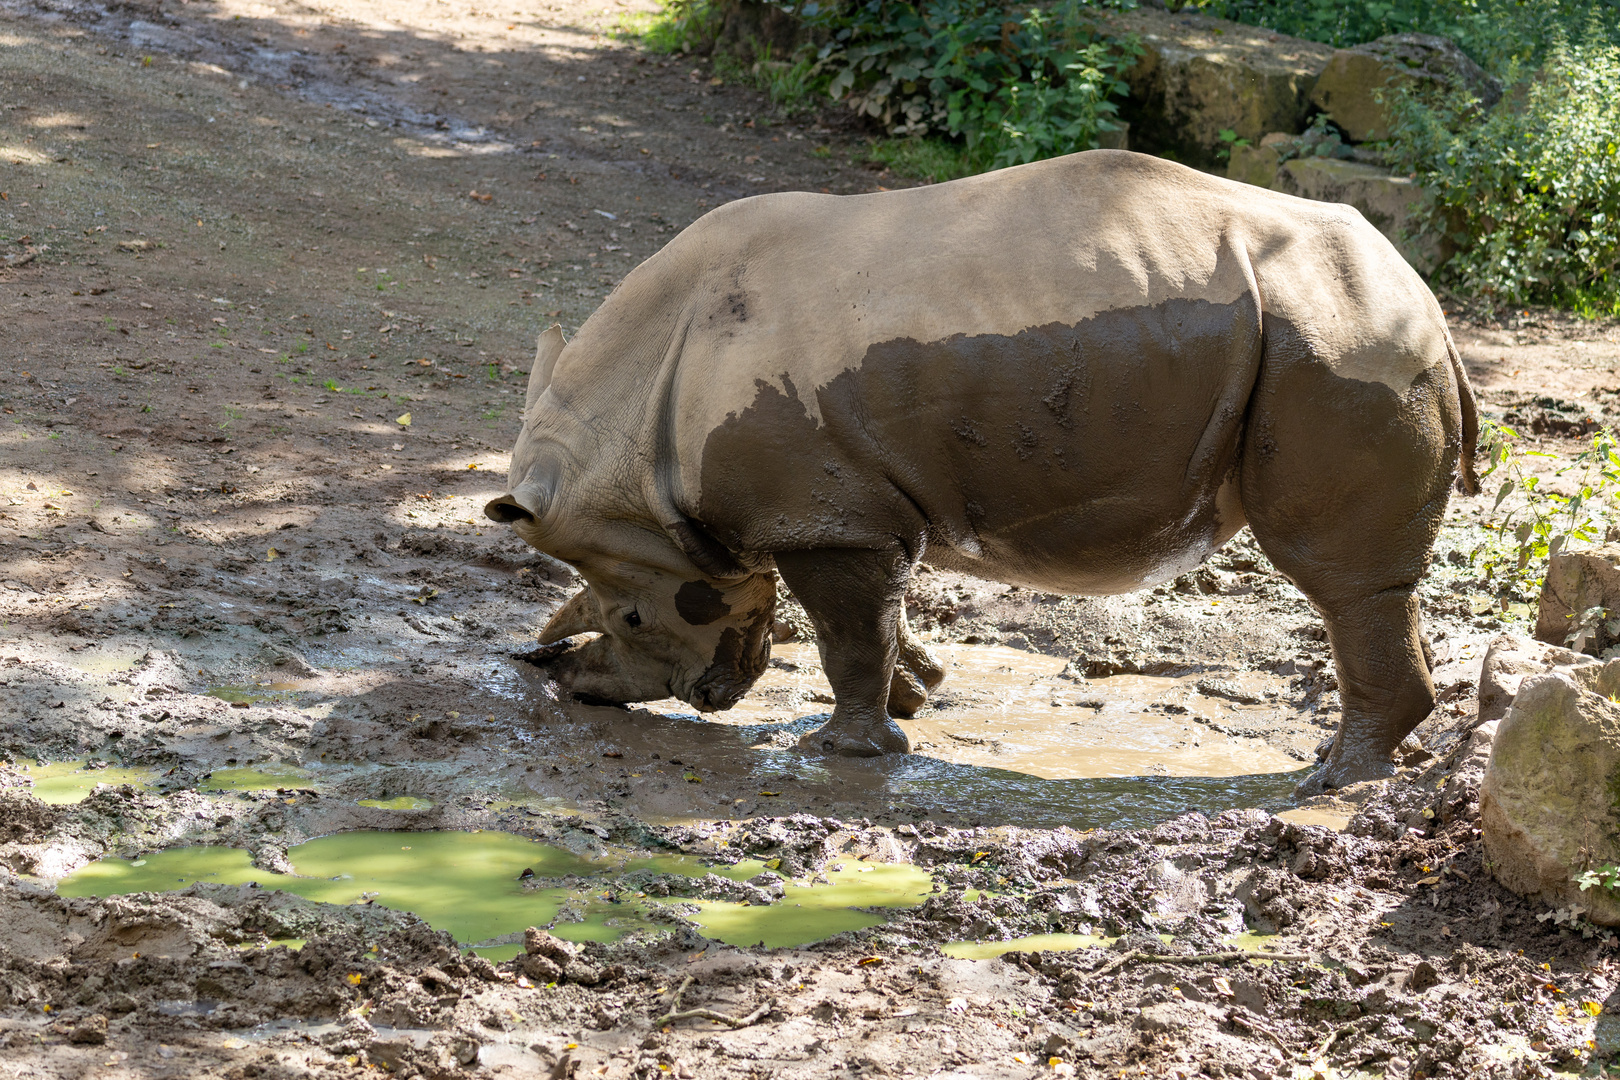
256	632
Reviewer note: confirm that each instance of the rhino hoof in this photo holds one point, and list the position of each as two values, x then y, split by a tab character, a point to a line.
1342	774
868	741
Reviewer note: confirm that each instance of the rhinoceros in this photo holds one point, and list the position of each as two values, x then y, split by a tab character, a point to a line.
1081	375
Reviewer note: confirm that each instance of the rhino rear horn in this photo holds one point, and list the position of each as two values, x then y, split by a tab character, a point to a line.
578	616
546	352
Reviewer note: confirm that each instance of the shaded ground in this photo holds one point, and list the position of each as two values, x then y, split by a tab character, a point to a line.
271	277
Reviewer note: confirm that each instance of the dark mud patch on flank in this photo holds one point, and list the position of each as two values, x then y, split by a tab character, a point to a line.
1036	453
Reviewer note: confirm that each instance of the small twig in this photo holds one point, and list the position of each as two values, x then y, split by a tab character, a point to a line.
1333	1037
26	257
1202	958
720	1018
675	1014
1236	1016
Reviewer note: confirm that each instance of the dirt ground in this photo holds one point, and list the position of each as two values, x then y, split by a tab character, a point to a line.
270	275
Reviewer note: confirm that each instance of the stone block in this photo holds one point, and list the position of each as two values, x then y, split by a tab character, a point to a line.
1385	200
1508	660
1550	801
1349	85
1577	582
1255	165
1200	75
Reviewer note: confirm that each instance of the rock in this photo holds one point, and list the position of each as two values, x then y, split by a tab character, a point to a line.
91	1031
1346	88
1578	581
1550	800
24	819
1200	76
1508	659
578	971
1385	200
540	943
541	969
1257	164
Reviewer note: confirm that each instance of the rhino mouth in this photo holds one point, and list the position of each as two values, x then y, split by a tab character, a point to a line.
739	660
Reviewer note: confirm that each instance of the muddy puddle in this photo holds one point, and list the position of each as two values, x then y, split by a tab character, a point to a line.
64	782
485	887
1007	728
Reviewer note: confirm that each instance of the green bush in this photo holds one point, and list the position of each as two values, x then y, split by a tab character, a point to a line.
1012	88
1530	192
1493	32
961	86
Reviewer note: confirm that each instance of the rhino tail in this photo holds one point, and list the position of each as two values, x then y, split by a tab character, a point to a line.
1467	473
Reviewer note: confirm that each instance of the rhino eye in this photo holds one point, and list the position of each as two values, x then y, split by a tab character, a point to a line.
633	618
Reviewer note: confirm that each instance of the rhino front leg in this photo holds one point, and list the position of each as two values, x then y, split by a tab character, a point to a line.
854	598
917	671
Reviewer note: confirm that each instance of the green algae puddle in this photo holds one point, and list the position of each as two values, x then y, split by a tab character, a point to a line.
401	802
271	778
989	950
809	913
252	695
468	883
64	782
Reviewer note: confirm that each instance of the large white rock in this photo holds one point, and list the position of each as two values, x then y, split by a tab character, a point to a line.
1578	581
1550	801
1199	76
1351	85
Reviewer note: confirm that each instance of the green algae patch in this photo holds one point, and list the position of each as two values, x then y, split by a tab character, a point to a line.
64	782
267	779
400	802
252	695
989	950
809	913
481	887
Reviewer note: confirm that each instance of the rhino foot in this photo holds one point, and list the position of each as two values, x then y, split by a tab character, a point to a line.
1342	773
857	740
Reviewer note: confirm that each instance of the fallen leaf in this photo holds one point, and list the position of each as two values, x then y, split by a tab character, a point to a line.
425	597
1431	880
865	960
773	864
403	421
272	555
692	778
1592	1008
355	978
770	794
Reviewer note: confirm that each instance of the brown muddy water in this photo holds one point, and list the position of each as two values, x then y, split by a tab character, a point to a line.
1008	729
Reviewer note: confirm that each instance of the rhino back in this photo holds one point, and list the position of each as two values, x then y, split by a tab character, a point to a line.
1045	368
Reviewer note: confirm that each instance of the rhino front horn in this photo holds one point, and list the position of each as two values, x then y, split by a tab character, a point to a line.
578	616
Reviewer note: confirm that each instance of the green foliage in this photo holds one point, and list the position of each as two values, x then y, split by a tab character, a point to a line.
1541	519
1604	877
1011	89
1530	192
923	158
680	26
1493	32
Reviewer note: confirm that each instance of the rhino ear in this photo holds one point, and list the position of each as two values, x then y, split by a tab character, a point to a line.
545	362
578	616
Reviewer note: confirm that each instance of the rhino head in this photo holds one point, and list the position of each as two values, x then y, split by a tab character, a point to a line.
674	613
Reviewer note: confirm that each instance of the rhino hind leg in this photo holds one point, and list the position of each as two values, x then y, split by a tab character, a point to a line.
917	671
854	598
1344	484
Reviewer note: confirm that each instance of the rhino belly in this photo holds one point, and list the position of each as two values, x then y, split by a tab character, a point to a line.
1091	457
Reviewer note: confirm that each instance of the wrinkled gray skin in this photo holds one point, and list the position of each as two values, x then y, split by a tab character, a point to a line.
1081	375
